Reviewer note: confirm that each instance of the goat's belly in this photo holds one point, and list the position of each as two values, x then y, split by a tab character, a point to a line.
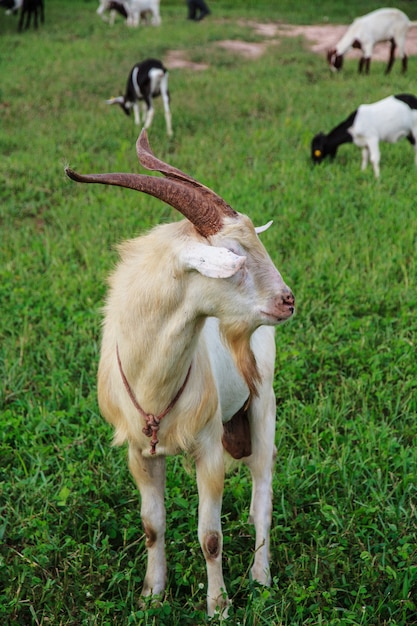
394	136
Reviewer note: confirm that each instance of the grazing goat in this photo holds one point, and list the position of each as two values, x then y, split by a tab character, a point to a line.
381	25
388	120
11	6
133	10
187	360
137	8
29	8
146	81
112	7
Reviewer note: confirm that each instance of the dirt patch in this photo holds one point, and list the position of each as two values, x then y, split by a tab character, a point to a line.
178	59
248	50
319	39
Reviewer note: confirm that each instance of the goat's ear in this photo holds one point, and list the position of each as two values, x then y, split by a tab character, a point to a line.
261	229
211	261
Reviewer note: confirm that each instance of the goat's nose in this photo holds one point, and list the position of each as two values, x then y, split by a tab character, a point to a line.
288	298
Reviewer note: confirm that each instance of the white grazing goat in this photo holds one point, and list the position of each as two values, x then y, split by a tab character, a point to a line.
147	80
188	347
388	120
128	10
137	8
381	25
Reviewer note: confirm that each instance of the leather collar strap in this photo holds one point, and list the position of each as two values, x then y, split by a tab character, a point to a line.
152	421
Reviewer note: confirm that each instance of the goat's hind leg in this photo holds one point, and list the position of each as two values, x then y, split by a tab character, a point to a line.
412	139
165	100
391	56
149	475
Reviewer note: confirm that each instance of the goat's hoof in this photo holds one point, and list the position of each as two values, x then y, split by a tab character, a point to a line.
219	608
151	601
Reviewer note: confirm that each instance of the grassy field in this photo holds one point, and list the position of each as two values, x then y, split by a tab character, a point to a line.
344	537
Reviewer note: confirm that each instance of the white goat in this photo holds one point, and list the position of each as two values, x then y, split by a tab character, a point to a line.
188	343
388	120
124	8
380	25
147	80
136	8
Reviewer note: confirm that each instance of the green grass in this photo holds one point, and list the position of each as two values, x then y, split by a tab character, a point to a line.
344	540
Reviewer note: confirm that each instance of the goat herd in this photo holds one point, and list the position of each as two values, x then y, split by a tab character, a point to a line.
188	349
389	119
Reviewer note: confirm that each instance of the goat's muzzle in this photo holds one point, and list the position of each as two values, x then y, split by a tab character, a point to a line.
281	309
288	301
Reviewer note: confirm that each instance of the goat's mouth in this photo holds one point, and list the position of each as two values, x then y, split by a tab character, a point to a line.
284	313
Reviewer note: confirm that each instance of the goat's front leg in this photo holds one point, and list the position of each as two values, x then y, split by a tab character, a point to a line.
149	475
262	417
374	155
210	482
136	113
365	157
149	114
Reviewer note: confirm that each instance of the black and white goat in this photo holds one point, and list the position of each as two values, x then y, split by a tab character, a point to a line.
11	6
113	7
29	8
187	361
133	10
147	80
387	120
381	25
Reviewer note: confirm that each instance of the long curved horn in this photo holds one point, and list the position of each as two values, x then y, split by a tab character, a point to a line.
198	203
151	162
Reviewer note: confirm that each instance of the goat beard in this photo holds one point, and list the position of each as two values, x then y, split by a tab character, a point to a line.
237	337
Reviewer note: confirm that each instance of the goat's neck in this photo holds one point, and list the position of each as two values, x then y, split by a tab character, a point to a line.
156	362
345	43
